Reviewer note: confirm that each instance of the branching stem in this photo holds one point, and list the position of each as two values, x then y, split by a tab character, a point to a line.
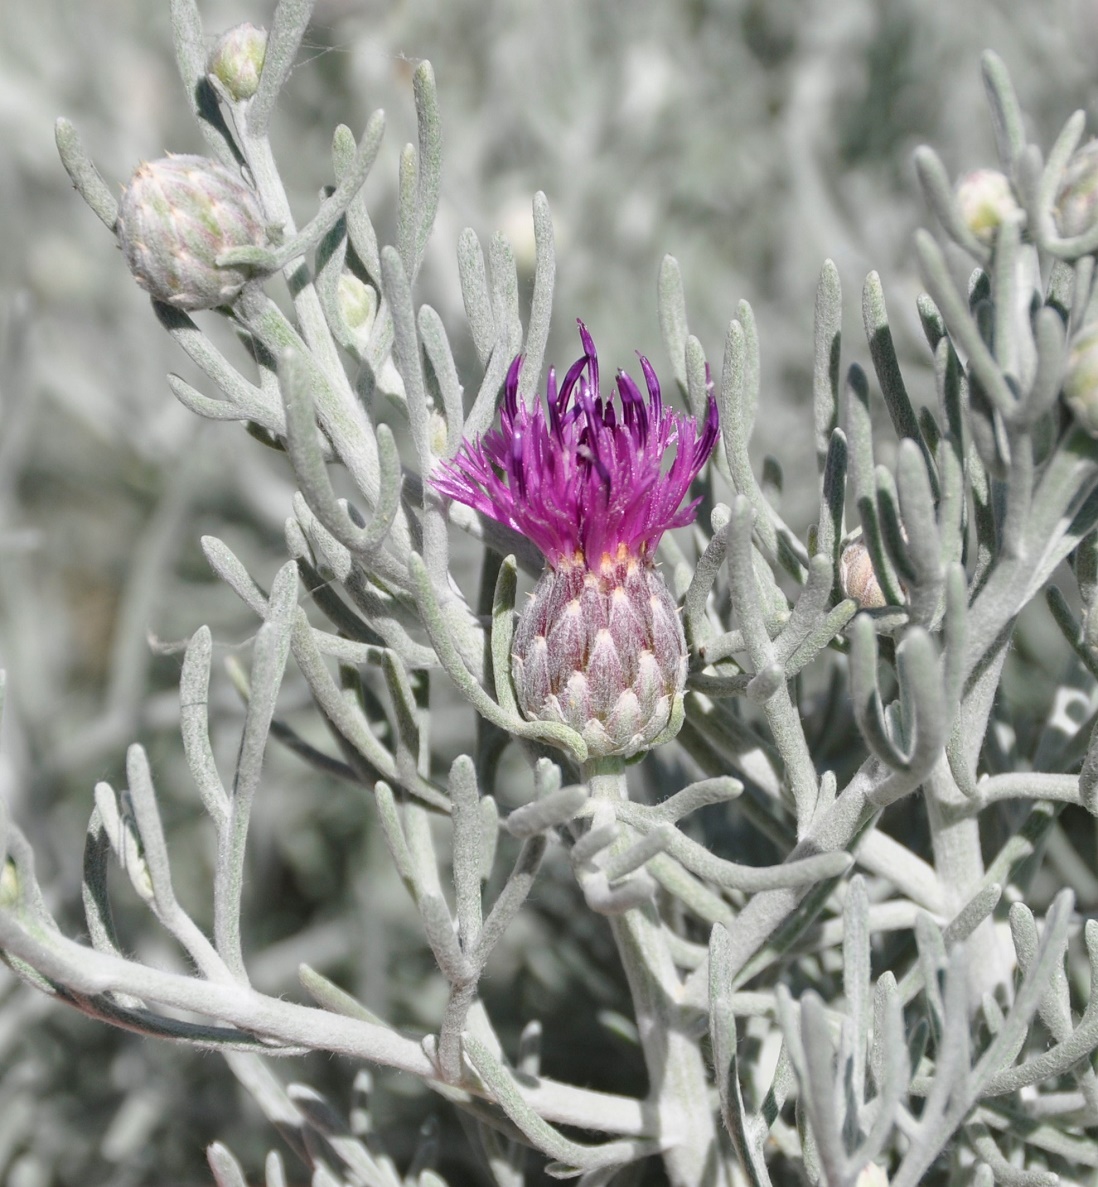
678	1082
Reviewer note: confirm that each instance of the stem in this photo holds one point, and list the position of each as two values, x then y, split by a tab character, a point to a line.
959	864
955	838
677	1077
341	415
90	973
276	207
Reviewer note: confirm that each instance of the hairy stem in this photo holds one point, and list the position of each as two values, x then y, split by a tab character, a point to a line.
678	1081
958	856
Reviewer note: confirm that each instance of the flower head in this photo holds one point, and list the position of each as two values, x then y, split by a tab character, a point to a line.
599	646
583	479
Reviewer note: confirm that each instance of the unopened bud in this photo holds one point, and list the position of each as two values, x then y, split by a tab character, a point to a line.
1081	379
871	1175
858	578
358	305
1077	202
236	61
437	433
177	216
9	884
986	201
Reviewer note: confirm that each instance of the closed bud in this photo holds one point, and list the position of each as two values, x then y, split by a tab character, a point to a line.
1081	379
602	651
358	307
858	577
9	884
1077	202
871	1175
236	61
986	201
177	216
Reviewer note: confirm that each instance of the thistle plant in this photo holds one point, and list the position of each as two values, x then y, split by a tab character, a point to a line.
780	766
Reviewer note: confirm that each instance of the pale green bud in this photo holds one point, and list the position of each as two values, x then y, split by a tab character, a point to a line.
1081	379
9	884
1077	201
436	432
986	201
236	61
357	305
177	216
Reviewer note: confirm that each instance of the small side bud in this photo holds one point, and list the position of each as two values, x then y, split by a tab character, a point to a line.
357	305
1077	201
177	216
436	432
871	1175
858	578
1081	379
9	884
986	201
236	61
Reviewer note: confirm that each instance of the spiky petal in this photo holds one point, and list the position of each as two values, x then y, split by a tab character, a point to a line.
582	479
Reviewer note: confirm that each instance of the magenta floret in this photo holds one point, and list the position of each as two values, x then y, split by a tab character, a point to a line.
585	483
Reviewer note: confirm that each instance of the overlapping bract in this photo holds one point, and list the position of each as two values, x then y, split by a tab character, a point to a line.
603	652
177	217
583	481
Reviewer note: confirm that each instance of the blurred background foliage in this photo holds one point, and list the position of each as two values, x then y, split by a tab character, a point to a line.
749	138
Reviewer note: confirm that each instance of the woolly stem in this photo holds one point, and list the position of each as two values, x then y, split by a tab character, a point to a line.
678	1082
958	856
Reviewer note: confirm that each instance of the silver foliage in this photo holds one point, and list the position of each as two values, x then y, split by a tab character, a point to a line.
830	900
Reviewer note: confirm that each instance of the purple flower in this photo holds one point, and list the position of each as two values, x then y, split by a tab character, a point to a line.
599	646
585	481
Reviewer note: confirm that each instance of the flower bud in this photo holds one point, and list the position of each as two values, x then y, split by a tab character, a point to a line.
858	578
9	884
602	650
985	201
236	61
872	1175
1077	201
177	215
358	306
1081	379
